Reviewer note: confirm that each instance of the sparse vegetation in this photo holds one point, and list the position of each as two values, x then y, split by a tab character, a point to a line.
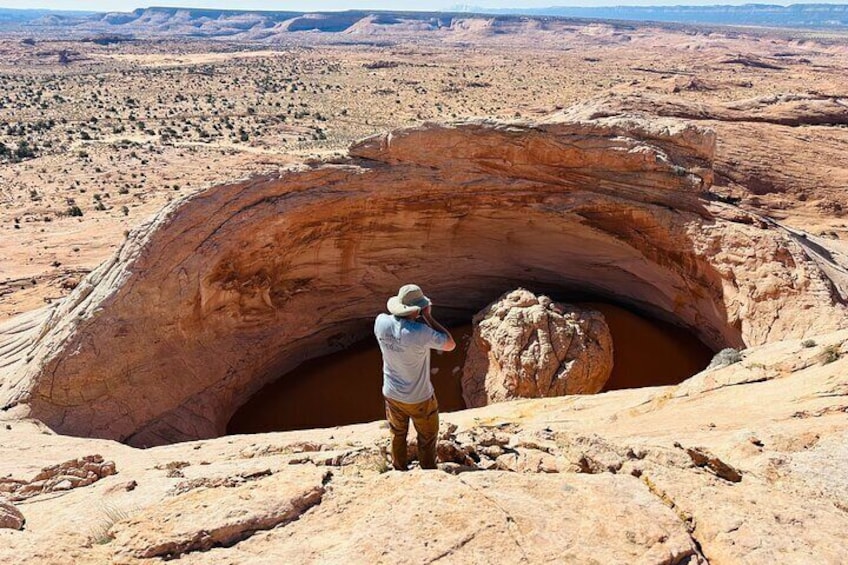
143	121
831	353
725	357
111	515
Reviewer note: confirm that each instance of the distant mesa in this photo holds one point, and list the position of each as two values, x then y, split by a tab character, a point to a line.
321	22
249	24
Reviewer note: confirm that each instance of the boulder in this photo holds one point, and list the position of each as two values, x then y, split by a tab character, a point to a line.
527	346
10	517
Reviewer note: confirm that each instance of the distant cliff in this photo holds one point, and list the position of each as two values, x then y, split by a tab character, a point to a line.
267	25
796	15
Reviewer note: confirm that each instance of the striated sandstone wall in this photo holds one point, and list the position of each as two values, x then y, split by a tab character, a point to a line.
226	290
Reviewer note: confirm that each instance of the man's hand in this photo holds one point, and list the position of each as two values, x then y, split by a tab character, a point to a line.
427	314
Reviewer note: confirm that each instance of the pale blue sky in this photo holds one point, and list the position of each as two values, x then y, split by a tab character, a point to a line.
308	5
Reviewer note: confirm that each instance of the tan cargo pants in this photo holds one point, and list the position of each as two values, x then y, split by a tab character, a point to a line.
425	418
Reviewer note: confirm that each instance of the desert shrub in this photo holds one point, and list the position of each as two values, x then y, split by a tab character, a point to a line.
73	211
24	151
725	357
381	65
808	343
831	353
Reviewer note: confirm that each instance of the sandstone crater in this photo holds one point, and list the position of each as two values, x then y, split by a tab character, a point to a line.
225	290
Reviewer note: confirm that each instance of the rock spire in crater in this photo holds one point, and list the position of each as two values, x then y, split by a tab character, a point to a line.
527	346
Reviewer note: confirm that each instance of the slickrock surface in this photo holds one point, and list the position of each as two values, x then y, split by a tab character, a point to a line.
527	346
478	518
742	463
219	515
706	187
229	288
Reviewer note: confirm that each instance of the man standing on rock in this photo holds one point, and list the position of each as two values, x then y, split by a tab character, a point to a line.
406	338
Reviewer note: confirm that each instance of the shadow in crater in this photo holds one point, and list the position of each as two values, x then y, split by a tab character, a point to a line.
345	387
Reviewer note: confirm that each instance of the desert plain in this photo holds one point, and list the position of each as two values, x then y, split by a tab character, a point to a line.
117	130
113	150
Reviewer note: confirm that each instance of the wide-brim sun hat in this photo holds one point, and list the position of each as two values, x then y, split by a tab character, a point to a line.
409	300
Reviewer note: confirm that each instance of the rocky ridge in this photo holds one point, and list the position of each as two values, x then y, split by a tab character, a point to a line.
757	133
275	25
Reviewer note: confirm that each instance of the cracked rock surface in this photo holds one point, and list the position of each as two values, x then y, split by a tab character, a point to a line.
744	463
56	478
217	515
476	517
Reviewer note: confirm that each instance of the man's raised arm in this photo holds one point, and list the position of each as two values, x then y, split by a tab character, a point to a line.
427	314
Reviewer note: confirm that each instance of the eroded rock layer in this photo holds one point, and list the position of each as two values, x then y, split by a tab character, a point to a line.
230	288
527	346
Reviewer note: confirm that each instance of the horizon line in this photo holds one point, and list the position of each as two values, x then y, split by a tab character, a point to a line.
457	9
